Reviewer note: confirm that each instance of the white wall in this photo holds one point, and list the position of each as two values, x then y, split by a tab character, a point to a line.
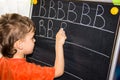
15	6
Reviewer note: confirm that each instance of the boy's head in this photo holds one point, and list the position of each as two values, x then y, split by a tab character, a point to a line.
13	27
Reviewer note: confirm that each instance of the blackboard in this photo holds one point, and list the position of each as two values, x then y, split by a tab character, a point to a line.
91	31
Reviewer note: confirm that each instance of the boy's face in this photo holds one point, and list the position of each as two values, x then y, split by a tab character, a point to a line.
28	44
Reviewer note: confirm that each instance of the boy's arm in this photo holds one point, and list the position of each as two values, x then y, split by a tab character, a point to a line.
59	60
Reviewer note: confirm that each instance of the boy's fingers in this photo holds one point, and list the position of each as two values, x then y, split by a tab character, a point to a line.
61	29
62	32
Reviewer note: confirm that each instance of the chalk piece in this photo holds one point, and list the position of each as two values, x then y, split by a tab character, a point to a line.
116	2
114	10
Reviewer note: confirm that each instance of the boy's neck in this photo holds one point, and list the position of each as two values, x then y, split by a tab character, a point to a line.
18	55
1	55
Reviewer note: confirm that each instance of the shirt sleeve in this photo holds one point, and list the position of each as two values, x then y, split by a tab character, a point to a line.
41	73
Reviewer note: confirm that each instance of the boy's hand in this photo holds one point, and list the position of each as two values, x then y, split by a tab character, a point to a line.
60	37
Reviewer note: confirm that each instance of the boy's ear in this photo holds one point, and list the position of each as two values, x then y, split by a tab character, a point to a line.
18	44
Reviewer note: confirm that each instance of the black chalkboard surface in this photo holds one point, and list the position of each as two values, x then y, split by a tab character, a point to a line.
91	30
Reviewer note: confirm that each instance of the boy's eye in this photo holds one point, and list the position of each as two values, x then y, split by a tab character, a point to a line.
33	38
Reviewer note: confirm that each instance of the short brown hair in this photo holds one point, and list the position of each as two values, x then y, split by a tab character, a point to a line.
12	28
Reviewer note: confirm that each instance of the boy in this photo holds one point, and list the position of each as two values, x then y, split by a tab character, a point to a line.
17	40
